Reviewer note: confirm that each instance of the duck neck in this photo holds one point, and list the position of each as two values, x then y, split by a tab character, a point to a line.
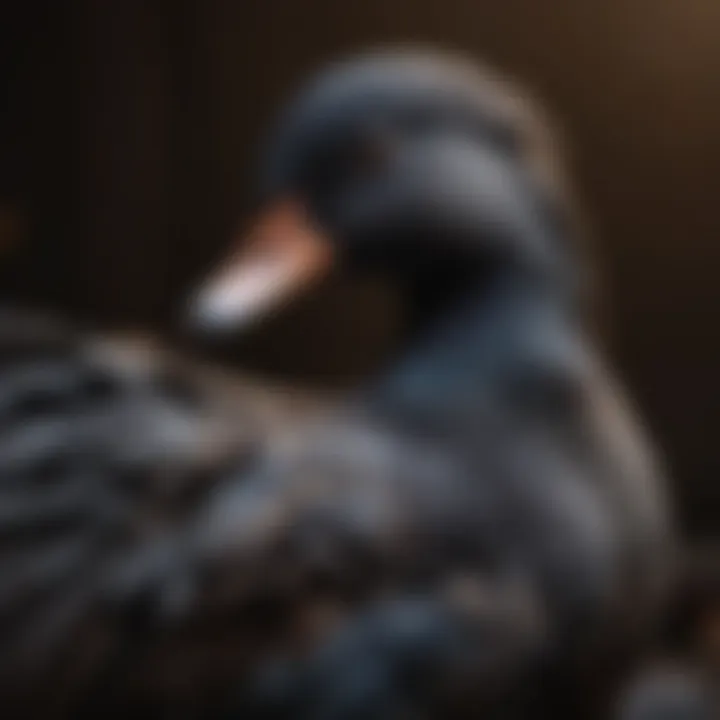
461	354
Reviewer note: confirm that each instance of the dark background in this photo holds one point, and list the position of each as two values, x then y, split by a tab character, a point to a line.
128	128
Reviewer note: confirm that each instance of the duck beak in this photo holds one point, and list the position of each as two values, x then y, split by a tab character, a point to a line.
282	255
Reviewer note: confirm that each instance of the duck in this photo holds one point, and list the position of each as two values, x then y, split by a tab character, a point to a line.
479	528
494	470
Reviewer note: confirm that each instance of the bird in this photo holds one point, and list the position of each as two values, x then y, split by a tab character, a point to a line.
479	528
495	464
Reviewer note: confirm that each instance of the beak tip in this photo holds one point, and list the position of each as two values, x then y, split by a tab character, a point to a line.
201	318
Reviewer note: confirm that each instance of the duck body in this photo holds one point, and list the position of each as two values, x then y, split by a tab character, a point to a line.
508	483
188	548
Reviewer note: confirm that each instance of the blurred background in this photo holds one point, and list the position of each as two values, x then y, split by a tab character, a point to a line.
129	129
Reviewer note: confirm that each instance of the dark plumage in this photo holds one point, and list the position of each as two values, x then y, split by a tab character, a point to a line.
475	533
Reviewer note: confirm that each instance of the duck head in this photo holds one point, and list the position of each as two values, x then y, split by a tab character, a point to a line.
412	165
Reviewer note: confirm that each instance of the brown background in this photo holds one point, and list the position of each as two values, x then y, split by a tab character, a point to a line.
128	126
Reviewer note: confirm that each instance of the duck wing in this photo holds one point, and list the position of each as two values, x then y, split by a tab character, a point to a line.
109	446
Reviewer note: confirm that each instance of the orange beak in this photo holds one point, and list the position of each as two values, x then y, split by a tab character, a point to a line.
282	255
